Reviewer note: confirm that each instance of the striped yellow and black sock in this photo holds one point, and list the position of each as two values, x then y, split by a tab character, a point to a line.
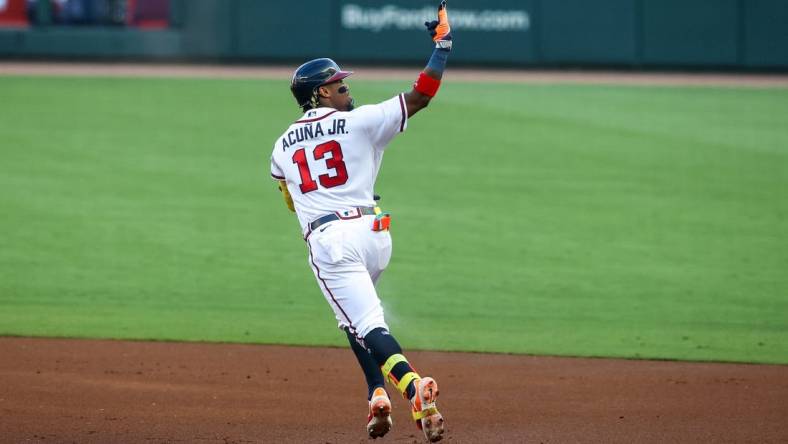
395	367
401	374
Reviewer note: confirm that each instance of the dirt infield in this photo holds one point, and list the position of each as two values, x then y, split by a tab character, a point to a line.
90	391
408	74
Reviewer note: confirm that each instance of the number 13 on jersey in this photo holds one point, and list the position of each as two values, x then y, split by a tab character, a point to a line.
335	162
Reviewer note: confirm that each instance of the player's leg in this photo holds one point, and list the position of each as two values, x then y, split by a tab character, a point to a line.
348	288
387	354
376	253
421	392
379	417
371	369
386	351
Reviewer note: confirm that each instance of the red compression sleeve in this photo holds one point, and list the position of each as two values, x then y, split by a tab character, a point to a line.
427	85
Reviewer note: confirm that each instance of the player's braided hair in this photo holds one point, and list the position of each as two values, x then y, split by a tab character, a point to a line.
314	101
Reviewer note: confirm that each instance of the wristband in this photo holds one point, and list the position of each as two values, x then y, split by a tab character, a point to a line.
437	61
427	85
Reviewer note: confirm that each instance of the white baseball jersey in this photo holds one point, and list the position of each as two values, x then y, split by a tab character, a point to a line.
330	159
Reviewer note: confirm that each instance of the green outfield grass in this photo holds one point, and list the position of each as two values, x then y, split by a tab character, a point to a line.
643	222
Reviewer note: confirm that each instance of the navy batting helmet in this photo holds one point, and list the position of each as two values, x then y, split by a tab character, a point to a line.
311	75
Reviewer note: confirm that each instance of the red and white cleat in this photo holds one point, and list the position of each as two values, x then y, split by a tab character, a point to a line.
379	419
425	412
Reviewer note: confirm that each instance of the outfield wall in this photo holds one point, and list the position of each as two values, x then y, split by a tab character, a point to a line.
734	34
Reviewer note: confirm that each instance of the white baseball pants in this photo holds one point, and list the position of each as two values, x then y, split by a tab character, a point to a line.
347	258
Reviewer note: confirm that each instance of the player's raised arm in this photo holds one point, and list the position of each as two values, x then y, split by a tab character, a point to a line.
429	80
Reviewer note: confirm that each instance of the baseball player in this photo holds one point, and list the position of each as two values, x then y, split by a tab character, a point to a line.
326	164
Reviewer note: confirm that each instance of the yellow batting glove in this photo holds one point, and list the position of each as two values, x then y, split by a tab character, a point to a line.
286	195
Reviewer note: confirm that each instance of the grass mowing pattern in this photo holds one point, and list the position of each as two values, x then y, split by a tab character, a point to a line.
567	220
